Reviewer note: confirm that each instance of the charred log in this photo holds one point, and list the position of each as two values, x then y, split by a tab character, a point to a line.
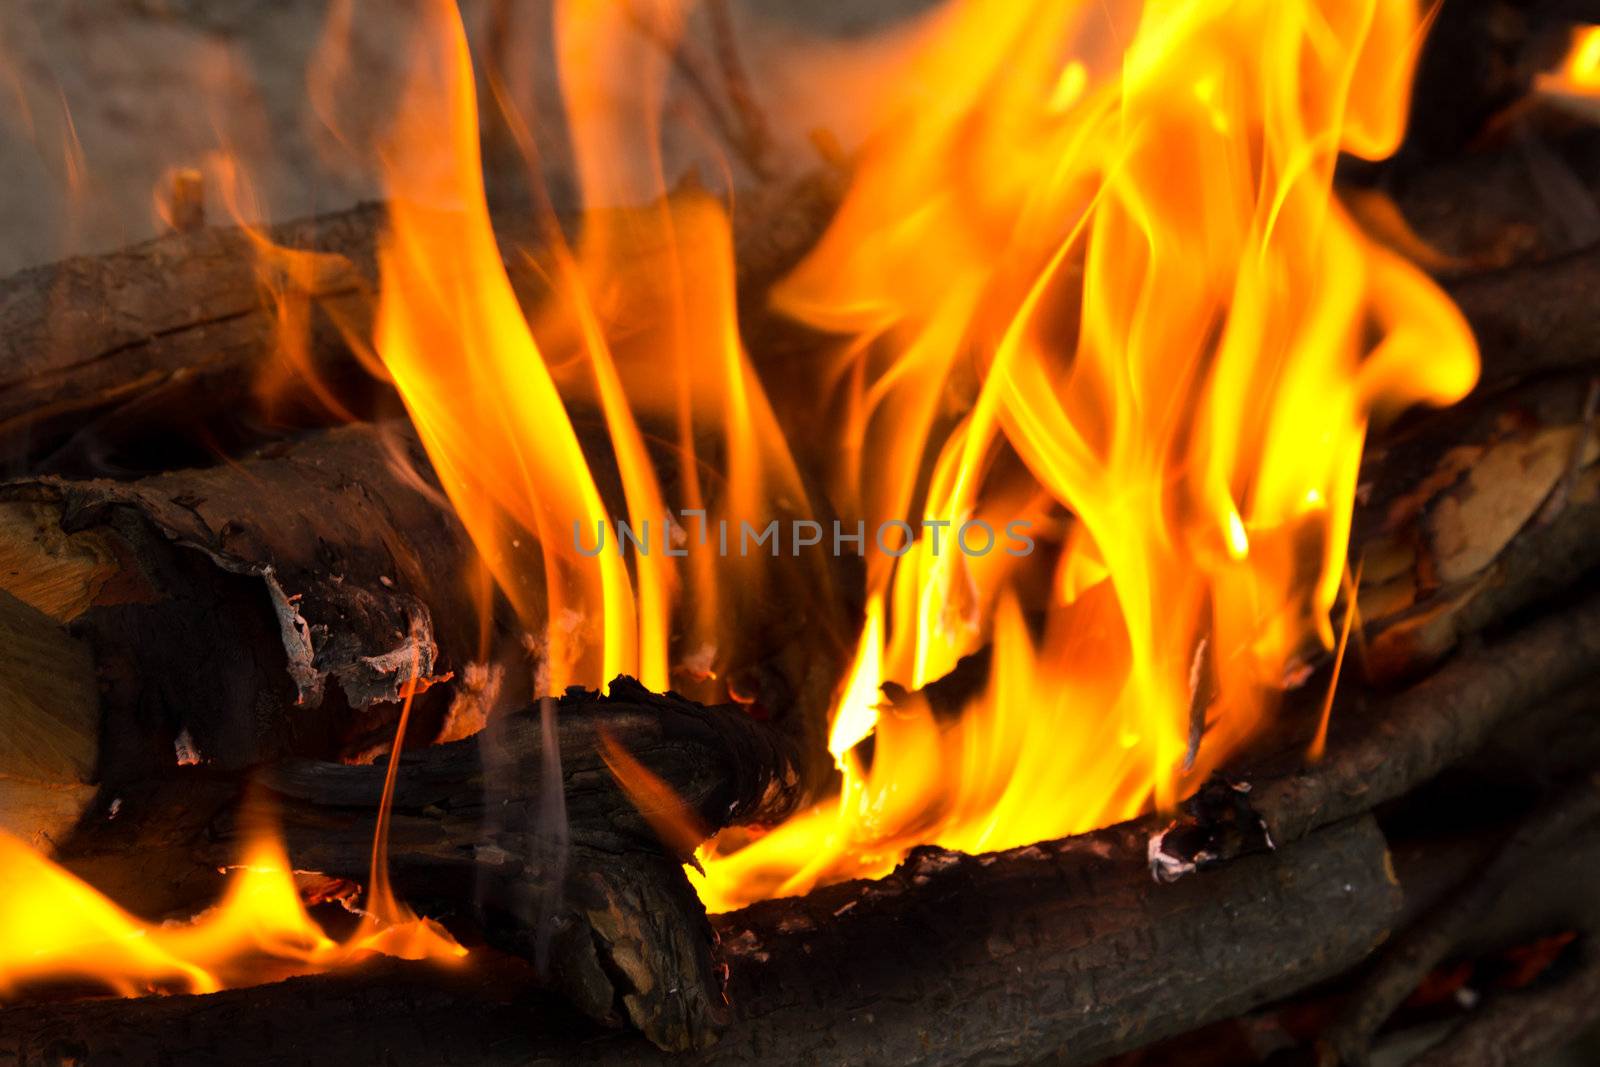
262	608
1059	951
523	831
161	354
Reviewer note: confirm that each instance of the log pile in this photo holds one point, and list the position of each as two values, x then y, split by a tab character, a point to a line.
170	620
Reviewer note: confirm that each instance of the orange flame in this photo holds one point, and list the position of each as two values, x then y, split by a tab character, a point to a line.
1124	217
54	927
1579	72
1101	315
638	327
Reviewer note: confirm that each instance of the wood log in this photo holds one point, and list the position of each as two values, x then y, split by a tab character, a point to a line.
1061	951
226	603
130	359
960	916
177	325
49	725
1383	751
522	829
1518	1025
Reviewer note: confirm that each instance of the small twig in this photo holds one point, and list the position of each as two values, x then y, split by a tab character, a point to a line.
1412	956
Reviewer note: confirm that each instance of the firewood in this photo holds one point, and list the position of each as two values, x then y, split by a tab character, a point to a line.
229	602
473	833
1518	1025
1404	963
978	912
1395	745
49	724
1061	951
109	359
172	329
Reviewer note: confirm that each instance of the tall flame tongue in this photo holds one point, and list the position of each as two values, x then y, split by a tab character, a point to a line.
1122	219
637	325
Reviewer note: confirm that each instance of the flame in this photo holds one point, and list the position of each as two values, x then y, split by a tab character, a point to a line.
1122	218
1579	72
388	925
637	325
55	928
1098	312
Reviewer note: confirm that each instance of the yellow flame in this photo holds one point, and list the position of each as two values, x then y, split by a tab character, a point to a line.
1579	72
1096	301
1181	336
55	928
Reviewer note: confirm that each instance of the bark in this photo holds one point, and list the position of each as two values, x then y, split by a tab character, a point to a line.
1392	746
129	359
535	844
1062	951
107	348
230	602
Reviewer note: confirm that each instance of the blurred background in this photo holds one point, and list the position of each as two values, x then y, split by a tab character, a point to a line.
101	99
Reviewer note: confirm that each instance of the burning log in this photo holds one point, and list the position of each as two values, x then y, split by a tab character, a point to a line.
523	829
1401	743
108	348
858	971
1063	949
223	604
973	922
127	357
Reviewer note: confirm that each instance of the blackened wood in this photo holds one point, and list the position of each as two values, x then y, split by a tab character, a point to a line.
1515	1026
1533	318
264	606
1063	951
1386	749
585	885
1404	963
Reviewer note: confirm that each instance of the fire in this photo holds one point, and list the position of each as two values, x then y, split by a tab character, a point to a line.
1103	325
1579	73
1111	231
55	928
1105	344
637	330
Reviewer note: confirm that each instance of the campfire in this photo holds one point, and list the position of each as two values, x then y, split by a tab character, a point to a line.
1047	531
